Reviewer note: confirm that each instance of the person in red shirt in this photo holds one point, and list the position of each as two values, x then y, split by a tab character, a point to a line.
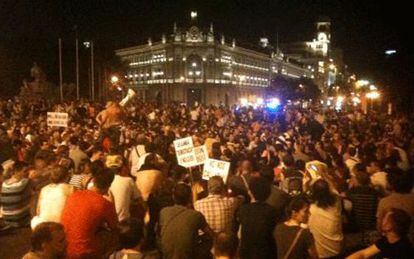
90	220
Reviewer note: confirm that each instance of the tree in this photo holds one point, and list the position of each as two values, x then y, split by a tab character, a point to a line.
293	89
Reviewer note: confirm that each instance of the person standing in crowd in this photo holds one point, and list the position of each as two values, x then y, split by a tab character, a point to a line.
394	244
293	240
257	221
53	197
48	241
90	220
179	227
218	210
15	197
325	221
112	116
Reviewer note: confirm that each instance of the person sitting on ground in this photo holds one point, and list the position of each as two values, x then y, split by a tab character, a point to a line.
131	237
364	199
257	220
179	226
48	241
378	177
90	220
149	177
218	210
75	153
394	244
225	245
52	198
292	239
123	190
85	171
401	196
325	222
15	197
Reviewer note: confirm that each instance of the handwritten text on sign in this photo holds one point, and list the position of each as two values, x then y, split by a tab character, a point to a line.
57	119
213	167
184	152
201	155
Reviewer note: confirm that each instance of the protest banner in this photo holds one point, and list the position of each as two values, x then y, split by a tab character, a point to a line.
57	119
213	167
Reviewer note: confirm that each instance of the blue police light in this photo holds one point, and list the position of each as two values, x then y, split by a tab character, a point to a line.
273	103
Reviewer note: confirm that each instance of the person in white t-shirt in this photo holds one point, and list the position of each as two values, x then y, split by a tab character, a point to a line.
351	159
377	175
52	198
136	152
124	193
325	222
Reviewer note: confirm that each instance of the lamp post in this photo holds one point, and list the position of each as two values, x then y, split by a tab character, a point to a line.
89	44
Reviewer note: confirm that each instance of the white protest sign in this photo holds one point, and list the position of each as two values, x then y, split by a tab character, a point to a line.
201	155
57	119
184	151
213	167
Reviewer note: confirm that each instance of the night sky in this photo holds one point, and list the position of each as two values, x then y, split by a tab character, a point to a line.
363	29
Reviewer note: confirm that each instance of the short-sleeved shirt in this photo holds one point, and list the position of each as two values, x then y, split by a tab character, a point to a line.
402	249
285	235
402	201
258	221
179	230
219	211
364	206
124	191
85	213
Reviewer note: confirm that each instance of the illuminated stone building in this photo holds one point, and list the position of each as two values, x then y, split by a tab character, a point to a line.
194	65
318	55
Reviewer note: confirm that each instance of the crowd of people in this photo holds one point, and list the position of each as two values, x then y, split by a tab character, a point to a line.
300	181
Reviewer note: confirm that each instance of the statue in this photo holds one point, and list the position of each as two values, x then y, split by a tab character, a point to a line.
37	88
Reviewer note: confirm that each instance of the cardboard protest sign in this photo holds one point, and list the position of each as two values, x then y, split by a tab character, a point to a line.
184	152
213	167
57	119
201	155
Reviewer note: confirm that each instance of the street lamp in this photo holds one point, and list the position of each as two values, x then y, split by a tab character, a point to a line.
114	79
373	95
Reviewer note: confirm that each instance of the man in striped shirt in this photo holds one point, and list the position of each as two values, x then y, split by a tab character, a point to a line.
364	200
15	197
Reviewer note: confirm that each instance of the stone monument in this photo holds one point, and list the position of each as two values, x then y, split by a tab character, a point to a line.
38	88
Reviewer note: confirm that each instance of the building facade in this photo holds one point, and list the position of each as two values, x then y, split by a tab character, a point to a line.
192	65
318	55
